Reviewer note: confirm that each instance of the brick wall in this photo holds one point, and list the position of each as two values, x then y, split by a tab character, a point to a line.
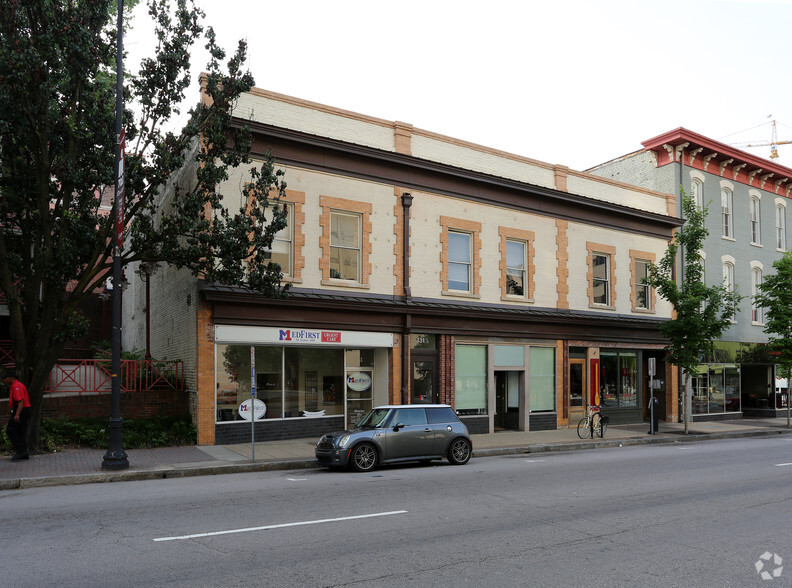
134	405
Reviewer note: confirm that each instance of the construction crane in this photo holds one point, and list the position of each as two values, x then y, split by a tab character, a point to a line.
773	143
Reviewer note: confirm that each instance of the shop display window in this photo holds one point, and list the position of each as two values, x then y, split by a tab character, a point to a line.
542	378
618	379
471	379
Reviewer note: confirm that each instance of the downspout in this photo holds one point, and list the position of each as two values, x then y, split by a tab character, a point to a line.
406	199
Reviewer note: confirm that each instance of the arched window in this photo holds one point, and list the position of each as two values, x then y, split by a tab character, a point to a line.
781	227
726	213
697	191
728	277
756	226
756	281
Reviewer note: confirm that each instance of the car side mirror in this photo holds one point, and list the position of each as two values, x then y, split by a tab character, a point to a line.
398	426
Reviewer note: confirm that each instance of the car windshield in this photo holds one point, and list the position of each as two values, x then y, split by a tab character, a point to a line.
374	419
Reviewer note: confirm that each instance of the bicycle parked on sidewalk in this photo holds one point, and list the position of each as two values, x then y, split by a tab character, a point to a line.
593	424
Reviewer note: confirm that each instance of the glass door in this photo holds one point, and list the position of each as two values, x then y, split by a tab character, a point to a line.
577	387
424	380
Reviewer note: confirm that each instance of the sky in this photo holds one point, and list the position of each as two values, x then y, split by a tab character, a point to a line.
567	82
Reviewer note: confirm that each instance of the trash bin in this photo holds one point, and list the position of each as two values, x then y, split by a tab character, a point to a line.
654	415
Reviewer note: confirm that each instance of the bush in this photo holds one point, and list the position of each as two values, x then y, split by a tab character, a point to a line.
93	433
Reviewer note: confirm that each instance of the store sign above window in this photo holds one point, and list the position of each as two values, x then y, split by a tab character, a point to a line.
291	336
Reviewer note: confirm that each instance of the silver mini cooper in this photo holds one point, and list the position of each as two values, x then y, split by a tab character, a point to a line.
392	434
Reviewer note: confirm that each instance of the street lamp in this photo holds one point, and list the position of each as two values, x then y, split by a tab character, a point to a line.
145	270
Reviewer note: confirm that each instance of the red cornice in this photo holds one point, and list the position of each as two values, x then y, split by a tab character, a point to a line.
709	155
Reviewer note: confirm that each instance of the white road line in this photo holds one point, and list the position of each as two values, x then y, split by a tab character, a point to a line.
268	527
297	479
783	464
533	460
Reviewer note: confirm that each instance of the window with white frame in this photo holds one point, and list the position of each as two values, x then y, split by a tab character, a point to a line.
728	276
601	278
756	226
459	260
643	297
756	281
697	191
515	267
726	213
281	251
344	245
781	227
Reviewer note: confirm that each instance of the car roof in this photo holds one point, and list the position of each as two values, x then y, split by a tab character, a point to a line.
413	406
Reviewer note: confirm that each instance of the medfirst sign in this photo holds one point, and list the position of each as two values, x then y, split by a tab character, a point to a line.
239	334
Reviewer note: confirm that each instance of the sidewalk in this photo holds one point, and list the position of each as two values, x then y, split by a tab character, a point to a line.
84	466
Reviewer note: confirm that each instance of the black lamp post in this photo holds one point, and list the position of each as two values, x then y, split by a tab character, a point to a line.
116	457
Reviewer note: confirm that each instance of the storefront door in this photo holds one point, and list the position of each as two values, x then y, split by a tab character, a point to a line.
358	395
507	400
577	388
424	379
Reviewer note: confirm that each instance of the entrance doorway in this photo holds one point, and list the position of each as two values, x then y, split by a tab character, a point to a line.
423	376
577	388
507	401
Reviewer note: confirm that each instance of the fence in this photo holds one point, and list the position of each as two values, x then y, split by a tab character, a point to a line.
93	376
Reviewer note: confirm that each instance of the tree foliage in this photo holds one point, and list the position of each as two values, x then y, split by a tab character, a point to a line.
701	313
57	150
775	298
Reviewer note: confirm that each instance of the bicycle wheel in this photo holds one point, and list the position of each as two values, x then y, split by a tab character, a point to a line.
584	428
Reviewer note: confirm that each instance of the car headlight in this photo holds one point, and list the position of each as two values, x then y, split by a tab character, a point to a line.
343	441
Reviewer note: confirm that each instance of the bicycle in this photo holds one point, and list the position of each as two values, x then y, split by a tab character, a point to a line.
593	424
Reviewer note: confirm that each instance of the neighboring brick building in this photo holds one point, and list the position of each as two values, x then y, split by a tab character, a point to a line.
517	297
747	197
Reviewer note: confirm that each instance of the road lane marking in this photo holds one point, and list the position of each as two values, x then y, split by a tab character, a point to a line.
533	460
268	527
297	479
783	464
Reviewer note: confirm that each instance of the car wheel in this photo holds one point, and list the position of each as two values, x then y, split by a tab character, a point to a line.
459	452
363	458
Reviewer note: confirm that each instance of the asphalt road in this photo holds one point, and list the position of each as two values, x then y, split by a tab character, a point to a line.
697	514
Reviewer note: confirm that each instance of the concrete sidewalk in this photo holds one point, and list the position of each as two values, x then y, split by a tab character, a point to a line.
84	466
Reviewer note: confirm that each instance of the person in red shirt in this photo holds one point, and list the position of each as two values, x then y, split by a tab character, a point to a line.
16	429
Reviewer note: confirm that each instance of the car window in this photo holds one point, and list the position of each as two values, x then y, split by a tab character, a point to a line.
442	414
374	418
410	416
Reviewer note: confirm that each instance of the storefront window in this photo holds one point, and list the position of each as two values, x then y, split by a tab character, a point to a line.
542	379
732	388
716	393
618	378
471	379
290	381
700	390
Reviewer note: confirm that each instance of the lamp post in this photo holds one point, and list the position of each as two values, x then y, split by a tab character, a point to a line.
145	271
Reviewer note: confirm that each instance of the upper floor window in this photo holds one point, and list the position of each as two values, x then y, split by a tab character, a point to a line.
643	298
697	191
600	266
282	244
344	246
728	277
515	268
726	213
781	227
756	227
756	281
459	260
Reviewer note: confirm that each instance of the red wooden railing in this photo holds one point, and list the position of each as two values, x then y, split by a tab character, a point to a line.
93	376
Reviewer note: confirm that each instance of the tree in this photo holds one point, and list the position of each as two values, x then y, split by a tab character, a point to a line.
701	313
775	298
57	82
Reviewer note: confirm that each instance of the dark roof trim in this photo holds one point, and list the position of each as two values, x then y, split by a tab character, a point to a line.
333	156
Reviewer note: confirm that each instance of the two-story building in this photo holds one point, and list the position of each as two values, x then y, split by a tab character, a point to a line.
424	269
747	198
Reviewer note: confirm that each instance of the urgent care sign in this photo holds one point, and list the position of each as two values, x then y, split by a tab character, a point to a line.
297	336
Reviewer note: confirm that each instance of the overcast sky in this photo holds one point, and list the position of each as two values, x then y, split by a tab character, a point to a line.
570	82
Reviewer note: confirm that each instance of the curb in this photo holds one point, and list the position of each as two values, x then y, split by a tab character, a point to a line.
301	464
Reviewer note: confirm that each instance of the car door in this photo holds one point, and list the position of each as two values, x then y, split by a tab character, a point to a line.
443	421
414	439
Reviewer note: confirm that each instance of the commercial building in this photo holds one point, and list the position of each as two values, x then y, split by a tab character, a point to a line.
747	198
423	269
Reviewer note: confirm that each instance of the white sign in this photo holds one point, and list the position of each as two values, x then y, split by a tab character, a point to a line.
260	407
781	382
302	337
359	381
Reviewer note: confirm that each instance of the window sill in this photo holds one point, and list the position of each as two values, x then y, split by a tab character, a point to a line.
291	280
460	294
725	238
508	298
756	244
644	310
757	324
345	284
781	250
601	307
